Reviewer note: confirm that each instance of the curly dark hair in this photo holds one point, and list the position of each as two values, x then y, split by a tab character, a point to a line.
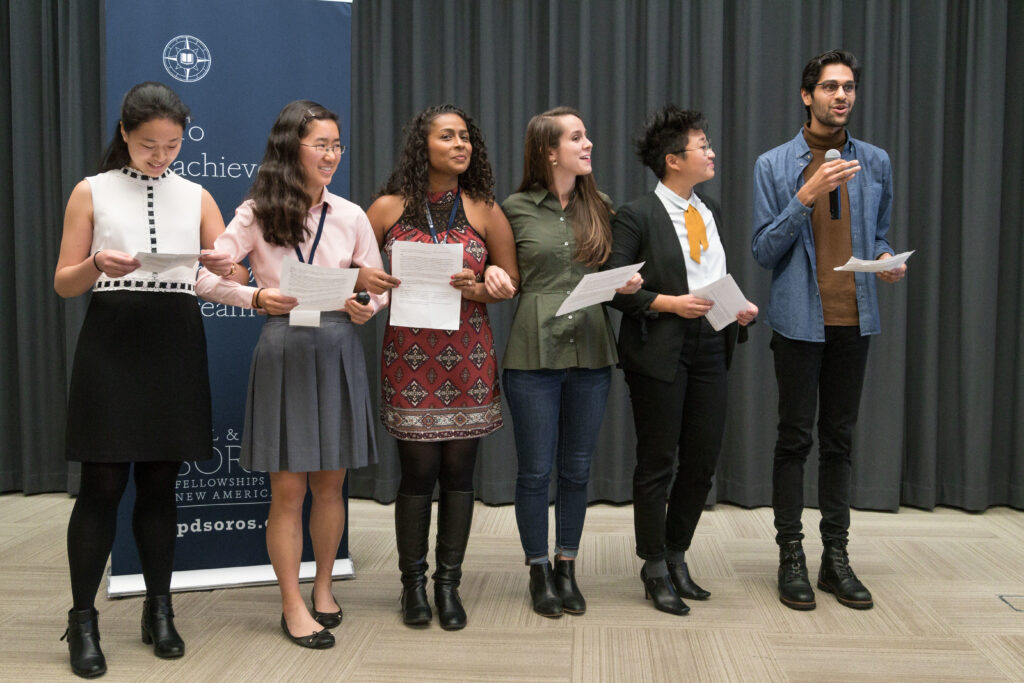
410	180
667	131
279	193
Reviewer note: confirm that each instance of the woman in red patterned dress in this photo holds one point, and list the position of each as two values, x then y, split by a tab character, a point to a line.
439	388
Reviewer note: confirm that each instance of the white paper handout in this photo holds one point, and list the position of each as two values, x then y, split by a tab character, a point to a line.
158	263
426	298
857	265
728	298
317	288
596	288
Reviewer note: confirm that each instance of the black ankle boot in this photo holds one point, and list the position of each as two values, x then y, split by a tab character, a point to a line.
412	524
837	577
543	593
565	586
662	593
83	636
158	627
454	517
794	586
684	585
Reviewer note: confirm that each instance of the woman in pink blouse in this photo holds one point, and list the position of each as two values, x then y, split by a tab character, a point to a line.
308	414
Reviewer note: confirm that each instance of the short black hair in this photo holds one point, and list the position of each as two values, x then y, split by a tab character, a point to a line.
667	131
812	72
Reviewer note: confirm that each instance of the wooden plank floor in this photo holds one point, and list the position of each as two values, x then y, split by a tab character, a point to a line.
937	578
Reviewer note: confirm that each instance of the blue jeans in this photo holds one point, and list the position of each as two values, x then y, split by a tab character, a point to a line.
556	416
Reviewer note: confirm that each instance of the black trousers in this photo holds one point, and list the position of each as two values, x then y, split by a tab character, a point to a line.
679	426
829	373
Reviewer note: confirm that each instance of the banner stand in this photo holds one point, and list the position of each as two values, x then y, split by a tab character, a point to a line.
128	585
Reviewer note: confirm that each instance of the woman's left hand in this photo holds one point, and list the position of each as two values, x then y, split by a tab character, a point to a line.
746	317
464	281
498	283
217	262
632	286
359	313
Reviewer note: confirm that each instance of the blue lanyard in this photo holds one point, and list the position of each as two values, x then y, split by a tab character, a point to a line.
316	240
451	218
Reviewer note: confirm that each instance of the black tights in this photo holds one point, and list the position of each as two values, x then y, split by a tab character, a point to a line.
426	463
94	522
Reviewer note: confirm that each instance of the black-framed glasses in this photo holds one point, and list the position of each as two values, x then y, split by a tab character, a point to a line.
832	87
324	149
706	148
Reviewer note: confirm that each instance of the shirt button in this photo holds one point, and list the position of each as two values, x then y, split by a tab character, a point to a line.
565	244
571	340
568	292
570	316
562	219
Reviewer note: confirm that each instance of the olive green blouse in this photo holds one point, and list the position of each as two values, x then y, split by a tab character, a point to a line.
544	247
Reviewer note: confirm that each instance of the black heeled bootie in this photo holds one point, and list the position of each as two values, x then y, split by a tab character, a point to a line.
837	577
660	590
454	518
684	585
794	586
412	525
543	593
565	586
83	636
158	627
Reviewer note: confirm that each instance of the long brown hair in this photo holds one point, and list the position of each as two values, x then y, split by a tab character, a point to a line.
590	215
279	193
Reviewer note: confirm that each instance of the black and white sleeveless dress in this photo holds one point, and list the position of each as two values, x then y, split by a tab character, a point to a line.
140	388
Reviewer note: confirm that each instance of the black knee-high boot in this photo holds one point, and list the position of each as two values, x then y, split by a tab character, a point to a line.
454	518
412	526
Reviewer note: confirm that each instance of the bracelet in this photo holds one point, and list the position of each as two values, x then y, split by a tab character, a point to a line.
94	263
256	298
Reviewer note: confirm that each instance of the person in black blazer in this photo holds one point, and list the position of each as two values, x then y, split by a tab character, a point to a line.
674	361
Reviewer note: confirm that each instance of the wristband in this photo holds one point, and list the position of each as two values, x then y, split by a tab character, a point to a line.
256	298
94	263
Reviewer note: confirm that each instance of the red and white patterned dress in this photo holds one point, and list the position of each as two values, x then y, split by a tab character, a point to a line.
438	385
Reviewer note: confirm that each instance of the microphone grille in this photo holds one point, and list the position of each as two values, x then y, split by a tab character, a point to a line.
832	155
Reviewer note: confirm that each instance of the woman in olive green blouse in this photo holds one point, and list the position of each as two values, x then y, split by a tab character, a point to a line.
557	369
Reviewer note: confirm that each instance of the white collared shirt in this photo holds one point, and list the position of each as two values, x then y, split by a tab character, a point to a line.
712	260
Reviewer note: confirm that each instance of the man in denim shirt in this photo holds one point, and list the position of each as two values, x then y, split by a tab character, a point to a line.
821	319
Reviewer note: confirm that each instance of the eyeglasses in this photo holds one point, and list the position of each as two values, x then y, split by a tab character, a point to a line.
706	148
832	87
323	149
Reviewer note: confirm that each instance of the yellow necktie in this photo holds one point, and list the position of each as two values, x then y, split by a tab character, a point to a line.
695	232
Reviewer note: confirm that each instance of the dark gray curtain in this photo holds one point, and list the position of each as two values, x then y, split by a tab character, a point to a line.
943	402
52	89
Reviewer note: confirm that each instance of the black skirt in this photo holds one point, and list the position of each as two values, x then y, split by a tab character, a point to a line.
140	386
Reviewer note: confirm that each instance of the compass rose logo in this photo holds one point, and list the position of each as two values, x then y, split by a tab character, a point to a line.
187	59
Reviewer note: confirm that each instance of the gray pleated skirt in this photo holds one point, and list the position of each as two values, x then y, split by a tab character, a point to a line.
308	408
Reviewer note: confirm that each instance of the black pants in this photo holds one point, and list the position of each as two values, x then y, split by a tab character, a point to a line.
829	373
684	416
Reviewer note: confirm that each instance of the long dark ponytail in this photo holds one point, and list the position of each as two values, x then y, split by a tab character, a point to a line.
144	102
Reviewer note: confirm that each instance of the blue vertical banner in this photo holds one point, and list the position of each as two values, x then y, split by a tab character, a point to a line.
235	63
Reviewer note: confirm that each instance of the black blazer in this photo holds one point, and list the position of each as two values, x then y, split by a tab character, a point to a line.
650	343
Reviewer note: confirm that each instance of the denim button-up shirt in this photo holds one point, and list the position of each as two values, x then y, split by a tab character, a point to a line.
783	240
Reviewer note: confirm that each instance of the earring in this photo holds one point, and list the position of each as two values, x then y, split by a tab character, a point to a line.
554	163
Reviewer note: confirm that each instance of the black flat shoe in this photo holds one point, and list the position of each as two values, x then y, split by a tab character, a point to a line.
659	589
318	640
684	585
325	619
158	628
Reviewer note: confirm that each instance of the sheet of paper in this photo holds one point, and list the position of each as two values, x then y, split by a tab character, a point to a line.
158	263
857	265
426	297
316	287
596	288
728	298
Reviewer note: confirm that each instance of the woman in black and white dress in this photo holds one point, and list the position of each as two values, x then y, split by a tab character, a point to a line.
139	388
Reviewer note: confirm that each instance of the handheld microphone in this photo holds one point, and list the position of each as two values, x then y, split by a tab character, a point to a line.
363	297
834	202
